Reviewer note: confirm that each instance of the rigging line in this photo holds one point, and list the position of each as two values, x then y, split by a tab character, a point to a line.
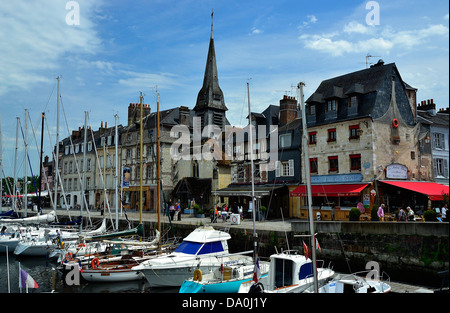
31	169
76	162
101	173
59	177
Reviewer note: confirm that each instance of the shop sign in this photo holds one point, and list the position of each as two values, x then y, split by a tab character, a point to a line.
397	171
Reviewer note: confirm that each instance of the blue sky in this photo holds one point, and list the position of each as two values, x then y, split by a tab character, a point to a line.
123	47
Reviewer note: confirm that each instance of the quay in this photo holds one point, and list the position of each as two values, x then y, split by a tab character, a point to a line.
411	253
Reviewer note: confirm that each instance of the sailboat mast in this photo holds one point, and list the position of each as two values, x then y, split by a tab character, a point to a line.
116	161
40	163
15	164
55	185
308	186
158	169
140	162
25	188
83	177
250	148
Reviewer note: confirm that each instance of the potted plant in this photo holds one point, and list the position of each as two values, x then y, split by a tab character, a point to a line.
429	216
354	214
198	211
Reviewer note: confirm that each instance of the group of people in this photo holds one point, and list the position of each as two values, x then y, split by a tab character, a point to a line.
409	214
174	210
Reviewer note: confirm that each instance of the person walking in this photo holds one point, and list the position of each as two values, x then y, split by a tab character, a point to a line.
380	212
444	213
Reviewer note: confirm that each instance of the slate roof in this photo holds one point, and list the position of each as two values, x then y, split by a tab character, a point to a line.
372	86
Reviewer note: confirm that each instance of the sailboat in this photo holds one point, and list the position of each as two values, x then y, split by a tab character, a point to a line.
119	267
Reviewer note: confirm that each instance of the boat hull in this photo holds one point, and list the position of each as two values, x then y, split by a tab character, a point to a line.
34	249
172	277
111	276
231	286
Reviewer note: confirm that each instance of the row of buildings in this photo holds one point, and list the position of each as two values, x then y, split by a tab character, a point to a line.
368	139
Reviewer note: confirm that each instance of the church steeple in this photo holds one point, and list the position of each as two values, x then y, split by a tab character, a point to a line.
210	95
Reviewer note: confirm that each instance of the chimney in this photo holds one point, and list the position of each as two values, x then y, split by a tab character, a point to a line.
184	115
288	110
428	105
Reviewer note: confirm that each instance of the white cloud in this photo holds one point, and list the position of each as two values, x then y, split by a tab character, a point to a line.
35	37
387	40
355	27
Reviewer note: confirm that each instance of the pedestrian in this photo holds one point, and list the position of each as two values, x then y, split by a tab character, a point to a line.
401	215
380	212
444	213
410	214
171	210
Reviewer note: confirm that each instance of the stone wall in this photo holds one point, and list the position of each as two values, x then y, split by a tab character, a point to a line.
413	252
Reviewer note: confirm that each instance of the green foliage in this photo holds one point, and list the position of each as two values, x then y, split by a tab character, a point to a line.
430	216
354	214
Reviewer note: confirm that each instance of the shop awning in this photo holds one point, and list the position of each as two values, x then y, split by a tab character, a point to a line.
342	190
434	191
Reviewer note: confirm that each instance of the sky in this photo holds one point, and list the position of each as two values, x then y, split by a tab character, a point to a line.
107	52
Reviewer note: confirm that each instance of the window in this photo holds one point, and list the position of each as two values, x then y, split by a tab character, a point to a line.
355	162
354	132
89	164
312	138
352	102
440	167
128	154
284	168
70	166
438	141
313	165
333	164
331	134
89	146
331	105
311	109
88	182
285	140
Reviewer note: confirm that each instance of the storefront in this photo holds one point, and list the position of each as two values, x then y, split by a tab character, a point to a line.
419	195
274	197
332	201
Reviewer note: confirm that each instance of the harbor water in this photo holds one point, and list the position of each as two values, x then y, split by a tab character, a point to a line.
41	269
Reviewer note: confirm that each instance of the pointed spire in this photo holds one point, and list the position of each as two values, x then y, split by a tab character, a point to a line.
212	22
210	95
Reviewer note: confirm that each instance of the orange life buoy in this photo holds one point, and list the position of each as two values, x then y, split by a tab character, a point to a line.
81	245
68	256
95	262
395	123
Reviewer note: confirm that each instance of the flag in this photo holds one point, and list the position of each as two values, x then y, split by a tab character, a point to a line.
318	246
256	271
26	281
306	251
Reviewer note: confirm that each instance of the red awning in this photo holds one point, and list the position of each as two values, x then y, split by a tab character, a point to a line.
348	190
434	191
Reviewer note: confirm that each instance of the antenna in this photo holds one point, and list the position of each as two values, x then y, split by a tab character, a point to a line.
370	56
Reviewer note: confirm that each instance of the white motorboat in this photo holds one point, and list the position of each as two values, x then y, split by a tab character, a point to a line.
361	282
289	272
204	249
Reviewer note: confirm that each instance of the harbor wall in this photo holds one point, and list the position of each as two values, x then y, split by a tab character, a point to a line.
407	251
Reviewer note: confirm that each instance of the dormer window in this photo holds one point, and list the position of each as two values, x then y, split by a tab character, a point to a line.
331	105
